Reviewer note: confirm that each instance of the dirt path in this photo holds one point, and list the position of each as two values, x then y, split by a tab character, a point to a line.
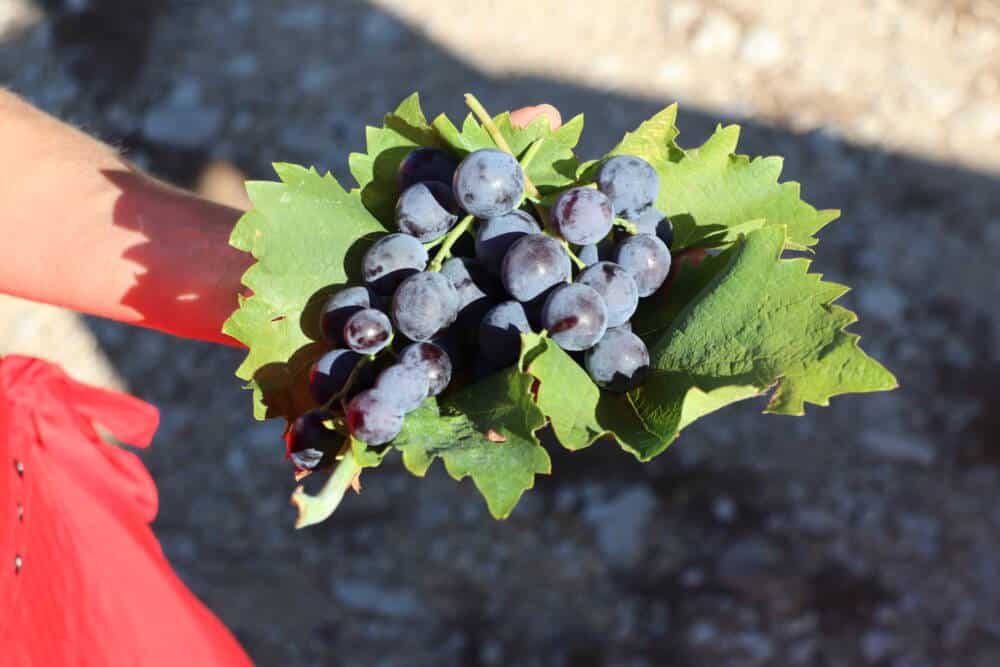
865	533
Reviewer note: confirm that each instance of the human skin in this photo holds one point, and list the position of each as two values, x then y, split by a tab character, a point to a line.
85	229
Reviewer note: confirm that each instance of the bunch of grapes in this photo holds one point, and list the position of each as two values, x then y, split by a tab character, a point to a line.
498	271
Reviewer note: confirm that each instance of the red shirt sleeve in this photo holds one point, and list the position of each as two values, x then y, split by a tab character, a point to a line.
83	580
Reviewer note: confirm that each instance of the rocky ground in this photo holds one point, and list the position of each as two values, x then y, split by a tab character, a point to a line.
862	534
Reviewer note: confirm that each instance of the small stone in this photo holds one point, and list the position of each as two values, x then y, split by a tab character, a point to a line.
316	77
877	645
491	652
762	47
983	118
757	647
802	651
692	577
718	35
701	633
919	530
815	521
16	16
372	598
682	15
747	558
800	626
621	523
302	18
381	30
883	302
567	499
899	447
243	65
186	93
724	509
184	126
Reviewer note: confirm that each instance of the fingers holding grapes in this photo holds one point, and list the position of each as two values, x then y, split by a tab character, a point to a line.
525	116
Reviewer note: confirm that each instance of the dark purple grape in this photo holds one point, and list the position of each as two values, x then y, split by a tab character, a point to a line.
616	286
534	307
647	258
338	308
575	316
330	373
392	259
496	235
469	277
309	443
367	331
426	211
583	215
630	183
455	341
619	361
406	384
483	366
533	264
432	360
374	417
488	183
424	304
500	333
425	164
652	221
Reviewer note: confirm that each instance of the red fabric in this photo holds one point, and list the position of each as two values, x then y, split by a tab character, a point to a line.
93	589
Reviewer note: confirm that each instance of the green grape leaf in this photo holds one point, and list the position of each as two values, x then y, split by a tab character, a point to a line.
653	141
739	324
710	189
593	414
554	164
486	432
761	322
470	138
306	234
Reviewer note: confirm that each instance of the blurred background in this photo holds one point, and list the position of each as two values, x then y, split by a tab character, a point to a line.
863	534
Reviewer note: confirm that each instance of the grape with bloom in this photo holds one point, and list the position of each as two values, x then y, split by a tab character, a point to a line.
470	311
482	286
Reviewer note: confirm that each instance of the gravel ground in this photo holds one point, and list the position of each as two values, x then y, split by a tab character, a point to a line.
862	534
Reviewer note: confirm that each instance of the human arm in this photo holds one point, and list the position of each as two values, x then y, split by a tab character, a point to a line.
87	230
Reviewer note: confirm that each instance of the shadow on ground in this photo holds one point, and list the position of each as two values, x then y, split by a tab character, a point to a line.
861	533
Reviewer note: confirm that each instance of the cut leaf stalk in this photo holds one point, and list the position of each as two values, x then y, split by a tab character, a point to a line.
491	128
318	508
444	252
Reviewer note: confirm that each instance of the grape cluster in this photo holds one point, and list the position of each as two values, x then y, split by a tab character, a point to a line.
398	339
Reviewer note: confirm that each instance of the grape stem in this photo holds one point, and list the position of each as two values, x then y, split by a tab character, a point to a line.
318	508
435	243
580	264
491	128
355	372
444	252
629	227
